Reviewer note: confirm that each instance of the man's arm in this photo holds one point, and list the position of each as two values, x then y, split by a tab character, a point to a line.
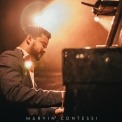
11	85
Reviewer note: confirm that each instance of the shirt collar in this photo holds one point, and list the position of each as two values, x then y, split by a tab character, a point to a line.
25	54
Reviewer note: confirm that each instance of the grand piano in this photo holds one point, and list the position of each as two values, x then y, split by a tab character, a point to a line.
93	76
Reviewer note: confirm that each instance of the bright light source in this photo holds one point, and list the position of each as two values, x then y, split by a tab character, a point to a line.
28	64
53	16
96	19
105	21
37	20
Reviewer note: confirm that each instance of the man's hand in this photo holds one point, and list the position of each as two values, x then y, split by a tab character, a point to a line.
59	111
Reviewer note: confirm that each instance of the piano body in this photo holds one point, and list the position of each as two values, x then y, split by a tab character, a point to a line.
93	79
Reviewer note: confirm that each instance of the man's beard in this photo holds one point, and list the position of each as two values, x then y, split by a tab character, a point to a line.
37	56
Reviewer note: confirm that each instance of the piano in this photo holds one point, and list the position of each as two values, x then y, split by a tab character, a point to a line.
93	79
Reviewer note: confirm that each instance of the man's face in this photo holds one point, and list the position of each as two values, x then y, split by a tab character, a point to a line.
38	47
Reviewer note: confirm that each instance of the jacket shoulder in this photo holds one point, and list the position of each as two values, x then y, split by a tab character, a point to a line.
10	56
11	53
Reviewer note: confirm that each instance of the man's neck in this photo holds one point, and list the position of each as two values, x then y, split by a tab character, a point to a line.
25	53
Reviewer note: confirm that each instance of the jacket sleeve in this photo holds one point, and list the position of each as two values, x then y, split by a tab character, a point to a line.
11	86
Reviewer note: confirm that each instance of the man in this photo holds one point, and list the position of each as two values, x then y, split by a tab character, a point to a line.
17	87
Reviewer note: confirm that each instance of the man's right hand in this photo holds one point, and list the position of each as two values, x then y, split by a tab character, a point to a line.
59	110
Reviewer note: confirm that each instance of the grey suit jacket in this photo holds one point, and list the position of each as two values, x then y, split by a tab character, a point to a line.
15	87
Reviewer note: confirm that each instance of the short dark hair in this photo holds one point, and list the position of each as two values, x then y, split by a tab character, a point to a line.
37	31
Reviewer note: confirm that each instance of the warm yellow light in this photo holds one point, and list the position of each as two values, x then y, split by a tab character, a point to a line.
28	64
53	16
96	19
37	20
105	21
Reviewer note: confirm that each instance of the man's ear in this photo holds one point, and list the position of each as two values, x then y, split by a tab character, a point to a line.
29	38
